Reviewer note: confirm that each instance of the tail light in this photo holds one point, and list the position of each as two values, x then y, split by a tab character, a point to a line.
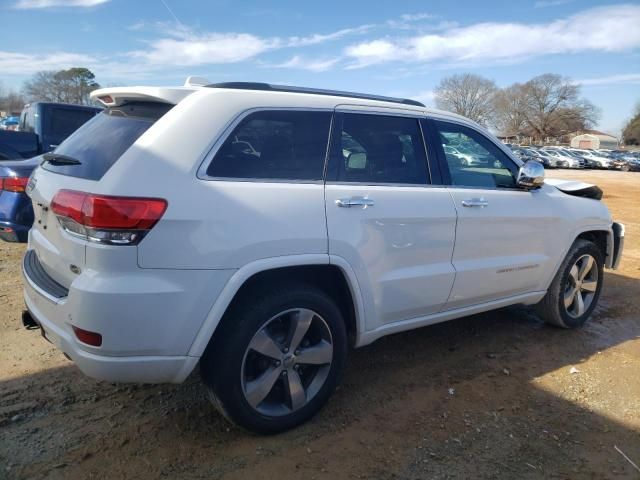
107	219
14	184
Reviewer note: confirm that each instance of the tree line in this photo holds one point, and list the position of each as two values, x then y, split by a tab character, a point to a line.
546	106
63	86
631	131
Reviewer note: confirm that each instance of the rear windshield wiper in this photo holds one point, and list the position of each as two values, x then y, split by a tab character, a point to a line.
60	159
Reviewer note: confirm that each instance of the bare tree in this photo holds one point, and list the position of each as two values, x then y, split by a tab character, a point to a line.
510	116
11	101
631	131
66	86
469	95
553	106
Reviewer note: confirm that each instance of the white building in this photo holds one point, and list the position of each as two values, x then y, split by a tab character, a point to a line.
593	139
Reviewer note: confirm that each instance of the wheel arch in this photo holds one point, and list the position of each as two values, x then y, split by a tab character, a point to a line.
603	239
337	280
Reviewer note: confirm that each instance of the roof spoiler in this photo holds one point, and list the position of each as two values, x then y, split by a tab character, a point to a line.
115	96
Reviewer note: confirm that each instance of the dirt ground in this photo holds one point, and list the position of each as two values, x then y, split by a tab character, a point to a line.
488	396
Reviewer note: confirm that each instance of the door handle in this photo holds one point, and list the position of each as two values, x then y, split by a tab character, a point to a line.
475	202
355	202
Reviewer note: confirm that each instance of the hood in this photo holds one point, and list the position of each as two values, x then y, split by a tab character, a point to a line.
573	187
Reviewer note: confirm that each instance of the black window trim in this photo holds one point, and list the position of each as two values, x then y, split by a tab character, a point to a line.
229	128
336	130
442	161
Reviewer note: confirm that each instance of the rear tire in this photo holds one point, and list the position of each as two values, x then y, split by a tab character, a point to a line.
576	288
276	358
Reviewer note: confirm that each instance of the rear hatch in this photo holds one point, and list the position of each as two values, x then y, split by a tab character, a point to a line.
76	168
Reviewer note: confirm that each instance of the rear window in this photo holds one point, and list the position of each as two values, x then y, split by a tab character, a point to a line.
100	142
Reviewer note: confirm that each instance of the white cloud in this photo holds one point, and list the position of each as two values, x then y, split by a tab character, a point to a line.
414	17
12	63
184	47
31	4
621	79
210	48
424	96
551	3
313	65
321	38
607	29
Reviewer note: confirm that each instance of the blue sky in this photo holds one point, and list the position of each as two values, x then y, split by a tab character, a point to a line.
401	47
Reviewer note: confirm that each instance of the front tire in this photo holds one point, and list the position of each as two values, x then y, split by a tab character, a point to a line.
276	358
576	288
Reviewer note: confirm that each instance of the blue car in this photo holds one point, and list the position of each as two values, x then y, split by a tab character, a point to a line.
9	123
16	214
43	126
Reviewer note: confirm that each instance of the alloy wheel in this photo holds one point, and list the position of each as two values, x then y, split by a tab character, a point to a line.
581	287
287	362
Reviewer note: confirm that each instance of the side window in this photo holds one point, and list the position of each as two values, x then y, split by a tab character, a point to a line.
28	120
473	159
379	149
23	120
278	144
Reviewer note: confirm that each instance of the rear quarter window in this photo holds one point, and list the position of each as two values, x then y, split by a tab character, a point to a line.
277	144
99	143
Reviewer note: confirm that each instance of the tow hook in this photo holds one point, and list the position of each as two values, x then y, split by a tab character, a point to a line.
28	321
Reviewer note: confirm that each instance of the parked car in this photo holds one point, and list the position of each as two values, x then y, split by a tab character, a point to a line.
568	161
9	123
42	127
592	159
526	154
16	213
634	165
551	161
160	243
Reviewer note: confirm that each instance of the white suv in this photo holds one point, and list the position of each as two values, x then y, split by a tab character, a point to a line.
261	231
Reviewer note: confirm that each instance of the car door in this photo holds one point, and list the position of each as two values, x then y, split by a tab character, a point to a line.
386	218
504	236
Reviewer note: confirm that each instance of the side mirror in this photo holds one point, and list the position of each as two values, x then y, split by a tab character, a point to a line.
531	175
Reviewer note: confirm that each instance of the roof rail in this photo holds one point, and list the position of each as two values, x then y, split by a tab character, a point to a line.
315	91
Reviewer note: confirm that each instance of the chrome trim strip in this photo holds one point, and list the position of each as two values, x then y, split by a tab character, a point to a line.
387	184
380	110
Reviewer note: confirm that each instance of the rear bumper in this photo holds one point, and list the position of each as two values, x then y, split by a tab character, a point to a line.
148	320
158	369
139	369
